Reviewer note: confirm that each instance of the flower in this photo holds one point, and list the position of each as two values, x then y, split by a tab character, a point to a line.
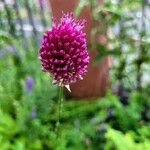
63	52
29	84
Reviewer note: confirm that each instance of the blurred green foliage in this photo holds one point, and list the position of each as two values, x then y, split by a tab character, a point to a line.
28	109
125	24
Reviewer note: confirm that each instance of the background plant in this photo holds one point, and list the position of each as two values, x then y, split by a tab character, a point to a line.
28	101
127	30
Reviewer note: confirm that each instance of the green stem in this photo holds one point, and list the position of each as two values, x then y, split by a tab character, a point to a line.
60	105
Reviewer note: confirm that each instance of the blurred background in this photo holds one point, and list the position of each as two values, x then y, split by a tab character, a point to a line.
108	110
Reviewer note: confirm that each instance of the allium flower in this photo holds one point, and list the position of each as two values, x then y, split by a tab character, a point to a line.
63	52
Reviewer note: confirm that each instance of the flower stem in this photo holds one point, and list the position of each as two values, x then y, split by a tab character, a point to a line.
60	105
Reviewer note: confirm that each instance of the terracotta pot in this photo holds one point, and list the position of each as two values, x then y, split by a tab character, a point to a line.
95	82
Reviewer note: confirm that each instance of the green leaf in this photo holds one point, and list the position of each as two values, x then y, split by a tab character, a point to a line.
104	51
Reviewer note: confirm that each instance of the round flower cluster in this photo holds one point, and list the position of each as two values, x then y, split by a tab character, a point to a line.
63	52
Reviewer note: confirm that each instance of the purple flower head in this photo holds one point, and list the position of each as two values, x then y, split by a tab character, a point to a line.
29	84
9	49
63	52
